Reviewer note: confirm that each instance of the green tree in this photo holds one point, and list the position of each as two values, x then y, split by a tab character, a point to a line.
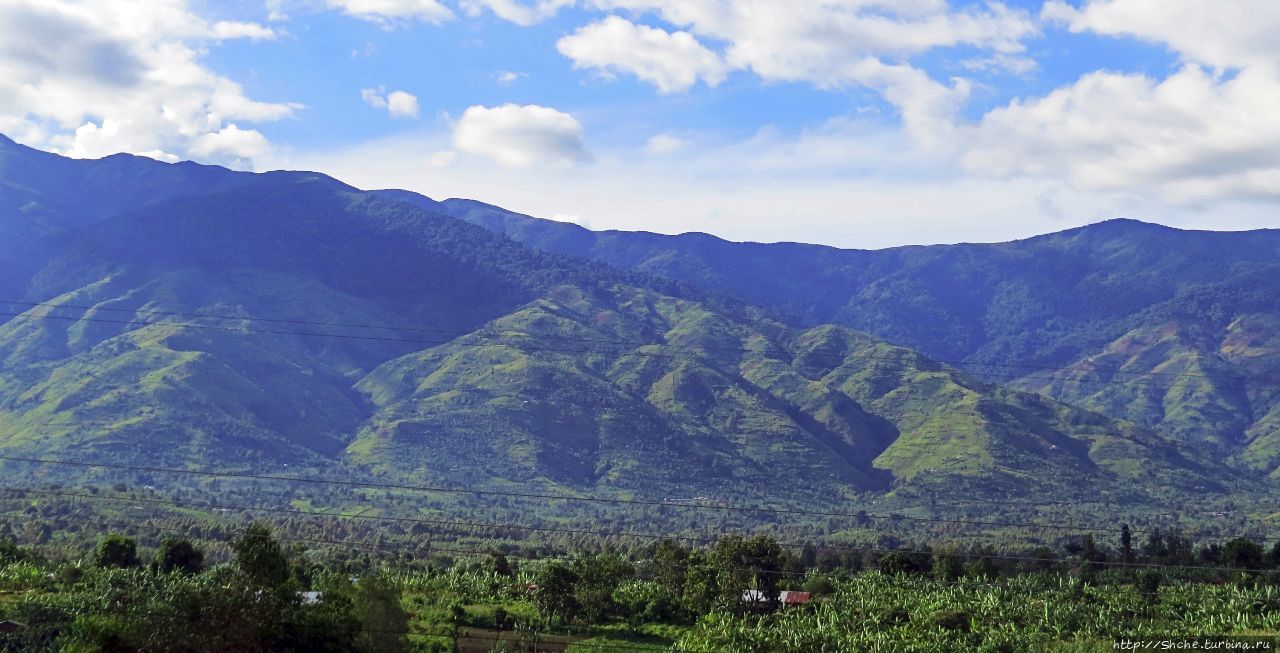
596	579
554	596
1126	543
1242	553
702	590
178	555
499	564
11	552
747	564
669	563
1149	586
260	557
116	551
904	562
383	622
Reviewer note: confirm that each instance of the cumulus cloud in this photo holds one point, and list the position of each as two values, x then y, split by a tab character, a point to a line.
671	61
518	136
92	78
1197	135
664	144
391	12
400	104
520	13
831	45
237	146
1216	34
225	29
508	77
818	42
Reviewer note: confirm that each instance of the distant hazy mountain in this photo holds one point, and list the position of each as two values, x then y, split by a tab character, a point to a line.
263	320
1172	329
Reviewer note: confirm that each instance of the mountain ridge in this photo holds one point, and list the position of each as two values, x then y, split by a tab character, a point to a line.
175	330
1044	304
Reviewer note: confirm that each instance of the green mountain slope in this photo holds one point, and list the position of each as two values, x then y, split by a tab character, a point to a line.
1045	314
552	393
291	320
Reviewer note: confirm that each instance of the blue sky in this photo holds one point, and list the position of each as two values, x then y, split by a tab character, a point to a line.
859	123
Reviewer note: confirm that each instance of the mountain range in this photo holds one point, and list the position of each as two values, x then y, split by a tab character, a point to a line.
187	315
1173	330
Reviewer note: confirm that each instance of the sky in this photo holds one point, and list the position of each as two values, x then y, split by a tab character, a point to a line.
855	123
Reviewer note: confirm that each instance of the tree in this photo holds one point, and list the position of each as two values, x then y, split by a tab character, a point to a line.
669	563
1242	553
1149	586
116	551
596	578
1156	549
904	562
1273	558
383	622
947	566
11	552
554	595
1126	543
751	563
499	564
1089	551
702	592
260	558
178	555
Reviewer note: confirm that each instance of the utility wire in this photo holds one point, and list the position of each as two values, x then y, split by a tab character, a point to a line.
553	497
431	548
562	497
596	533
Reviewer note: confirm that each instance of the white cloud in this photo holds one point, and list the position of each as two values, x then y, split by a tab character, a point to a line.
664	144
232	145
400	104
90	78
846	183
520	13
508	77
225	29
831	45
390	12
442	158
1195	136
671	61
1000	61
520	136
571	218
1217	34
819	42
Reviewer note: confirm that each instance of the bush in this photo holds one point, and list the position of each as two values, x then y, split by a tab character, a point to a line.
819	586
116	551
951	620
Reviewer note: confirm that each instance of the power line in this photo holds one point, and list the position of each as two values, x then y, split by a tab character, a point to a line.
596	533
431	548
561	497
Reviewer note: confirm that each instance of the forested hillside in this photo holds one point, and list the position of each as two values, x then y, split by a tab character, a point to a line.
288	319
1166	328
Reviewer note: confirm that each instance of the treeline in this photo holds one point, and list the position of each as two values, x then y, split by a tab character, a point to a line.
263	600
272	597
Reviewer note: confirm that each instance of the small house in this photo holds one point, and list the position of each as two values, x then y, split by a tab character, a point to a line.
784	598
794	598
